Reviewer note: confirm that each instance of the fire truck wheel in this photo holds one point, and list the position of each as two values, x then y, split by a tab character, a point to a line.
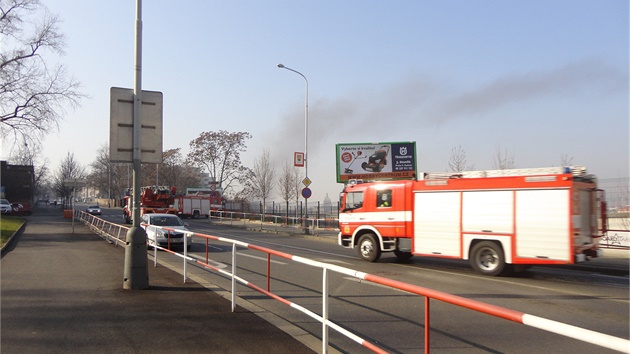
403	256
487	258
368	248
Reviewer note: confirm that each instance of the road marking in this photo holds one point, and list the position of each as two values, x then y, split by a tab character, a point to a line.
505	281
260	258
366	282
255	240
211	262
329	260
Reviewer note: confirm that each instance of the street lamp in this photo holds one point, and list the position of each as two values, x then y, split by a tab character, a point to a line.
281	66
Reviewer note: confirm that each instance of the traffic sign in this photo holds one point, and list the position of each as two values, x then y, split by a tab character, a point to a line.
306	192
298	159
306	182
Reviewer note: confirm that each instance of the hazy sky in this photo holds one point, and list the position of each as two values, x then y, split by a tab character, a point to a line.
538	78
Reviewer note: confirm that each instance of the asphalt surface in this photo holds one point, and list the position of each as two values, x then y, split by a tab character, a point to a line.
63	293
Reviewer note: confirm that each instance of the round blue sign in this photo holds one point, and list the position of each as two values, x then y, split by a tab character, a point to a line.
306	192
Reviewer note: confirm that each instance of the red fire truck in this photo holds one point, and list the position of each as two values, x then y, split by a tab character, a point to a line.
153	199
196	206
499	220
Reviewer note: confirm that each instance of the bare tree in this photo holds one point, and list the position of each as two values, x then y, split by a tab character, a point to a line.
110	179
286	182
290	184
68	170
174	172
32	156
263	177
457	160
566	160
297	182
33	92
503	160
219	153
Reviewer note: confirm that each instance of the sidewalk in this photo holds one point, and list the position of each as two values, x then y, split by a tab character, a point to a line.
63	292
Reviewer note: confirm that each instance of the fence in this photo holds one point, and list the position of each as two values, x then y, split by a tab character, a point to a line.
292	225
113	232
319	210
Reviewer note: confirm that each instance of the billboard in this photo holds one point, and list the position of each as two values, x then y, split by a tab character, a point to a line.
372	161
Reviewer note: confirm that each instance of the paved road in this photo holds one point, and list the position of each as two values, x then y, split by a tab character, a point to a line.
62	292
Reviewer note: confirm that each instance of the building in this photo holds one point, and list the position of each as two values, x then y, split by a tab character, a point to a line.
18	182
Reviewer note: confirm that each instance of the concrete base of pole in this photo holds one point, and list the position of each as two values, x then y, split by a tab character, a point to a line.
306	230
136	275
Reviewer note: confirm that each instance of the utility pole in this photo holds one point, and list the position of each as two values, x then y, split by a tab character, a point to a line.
136	274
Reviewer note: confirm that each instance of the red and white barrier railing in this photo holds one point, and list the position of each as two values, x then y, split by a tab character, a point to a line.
589	336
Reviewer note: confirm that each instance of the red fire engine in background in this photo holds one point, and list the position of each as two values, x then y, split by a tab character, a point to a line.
160	199
196	206
499	220
153	199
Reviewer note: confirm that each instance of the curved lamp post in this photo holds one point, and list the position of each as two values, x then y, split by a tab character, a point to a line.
281	66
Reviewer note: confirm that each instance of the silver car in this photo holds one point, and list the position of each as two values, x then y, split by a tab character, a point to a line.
5	206
94	210
164	229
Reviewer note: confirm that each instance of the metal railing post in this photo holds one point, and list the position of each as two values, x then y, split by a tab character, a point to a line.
155	254
233	277
185	255
427	325
325	310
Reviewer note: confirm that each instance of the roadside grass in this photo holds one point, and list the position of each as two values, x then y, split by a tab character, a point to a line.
8	226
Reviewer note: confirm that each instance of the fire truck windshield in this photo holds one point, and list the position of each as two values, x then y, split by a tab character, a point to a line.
354	200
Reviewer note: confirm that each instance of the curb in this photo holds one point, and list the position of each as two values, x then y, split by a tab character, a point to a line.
18	232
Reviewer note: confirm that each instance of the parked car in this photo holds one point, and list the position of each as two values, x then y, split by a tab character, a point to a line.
5	206
176	233
21	208
93	209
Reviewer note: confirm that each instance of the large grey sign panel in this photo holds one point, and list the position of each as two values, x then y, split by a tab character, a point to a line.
121	126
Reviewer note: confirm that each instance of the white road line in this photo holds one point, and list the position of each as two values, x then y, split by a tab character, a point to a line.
210	261
258	241
260	258
356	280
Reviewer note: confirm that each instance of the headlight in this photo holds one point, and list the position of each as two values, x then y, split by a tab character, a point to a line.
160	233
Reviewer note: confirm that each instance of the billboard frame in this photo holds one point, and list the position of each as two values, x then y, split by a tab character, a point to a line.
381	161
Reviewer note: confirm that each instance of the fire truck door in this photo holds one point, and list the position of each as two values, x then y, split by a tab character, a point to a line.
389	218
436	225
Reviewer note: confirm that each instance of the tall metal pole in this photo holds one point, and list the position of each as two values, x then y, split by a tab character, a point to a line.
281	66
136	275
137	115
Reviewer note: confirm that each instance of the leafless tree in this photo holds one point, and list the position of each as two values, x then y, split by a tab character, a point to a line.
566	160
457	160
33	92
69	169
108	178
287	183
174	172
219	153
31	155
263	177
503	160
297	180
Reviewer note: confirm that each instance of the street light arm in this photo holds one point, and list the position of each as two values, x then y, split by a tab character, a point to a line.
281	66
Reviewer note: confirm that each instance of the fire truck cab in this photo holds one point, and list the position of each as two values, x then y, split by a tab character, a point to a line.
153	199
499	220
